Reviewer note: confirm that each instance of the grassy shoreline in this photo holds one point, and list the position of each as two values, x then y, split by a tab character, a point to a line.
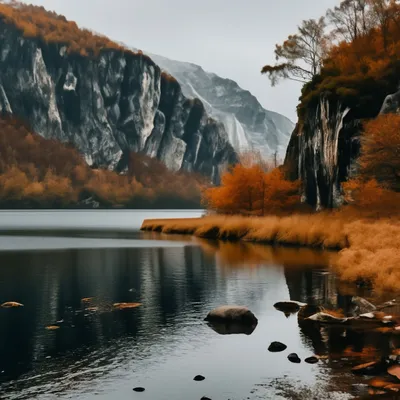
368	250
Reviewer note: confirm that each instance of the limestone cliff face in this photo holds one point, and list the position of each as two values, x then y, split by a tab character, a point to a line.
108	106
324	147
322	151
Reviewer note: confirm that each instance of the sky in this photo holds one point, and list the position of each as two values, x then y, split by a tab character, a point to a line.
232	38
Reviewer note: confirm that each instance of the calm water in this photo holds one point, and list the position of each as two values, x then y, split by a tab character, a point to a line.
50	261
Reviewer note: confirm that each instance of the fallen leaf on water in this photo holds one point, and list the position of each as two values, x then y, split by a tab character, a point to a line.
395	371
52	327
87	299
122	306
11	304
379	383
394	387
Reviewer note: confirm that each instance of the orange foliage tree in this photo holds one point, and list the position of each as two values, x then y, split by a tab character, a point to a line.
377	188
249	190
380	151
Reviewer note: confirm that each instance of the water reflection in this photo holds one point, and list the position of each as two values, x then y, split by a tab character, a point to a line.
102	352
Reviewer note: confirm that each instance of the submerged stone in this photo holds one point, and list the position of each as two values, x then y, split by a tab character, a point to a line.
199	378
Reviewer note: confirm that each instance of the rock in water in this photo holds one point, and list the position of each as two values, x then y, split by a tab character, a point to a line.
326	318
309	310
238	314
311	360
362	306
139	389
294	358
199	378
288	306
276	347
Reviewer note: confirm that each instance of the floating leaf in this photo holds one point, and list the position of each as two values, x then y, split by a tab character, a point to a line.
11	304
394	371
123	306
87	299
378	383
52	327
394	387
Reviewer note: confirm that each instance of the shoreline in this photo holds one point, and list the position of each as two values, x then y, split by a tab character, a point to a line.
274	231
368	249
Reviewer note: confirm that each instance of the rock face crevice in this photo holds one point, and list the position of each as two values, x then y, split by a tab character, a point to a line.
109	106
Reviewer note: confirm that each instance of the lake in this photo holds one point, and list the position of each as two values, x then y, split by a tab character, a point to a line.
68	268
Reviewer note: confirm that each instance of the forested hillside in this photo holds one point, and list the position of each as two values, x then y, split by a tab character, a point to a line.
40	173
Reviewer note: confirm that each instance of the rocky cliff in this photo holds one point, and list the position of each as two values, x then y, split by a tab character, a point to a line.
108	105
248	124
325	144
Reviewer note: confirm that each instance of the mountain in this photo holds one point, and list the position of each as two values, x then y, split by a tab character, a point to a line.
80	88
248	124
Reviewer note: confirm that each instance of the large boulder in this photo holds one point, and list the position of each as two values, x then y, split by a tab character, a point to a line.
232	314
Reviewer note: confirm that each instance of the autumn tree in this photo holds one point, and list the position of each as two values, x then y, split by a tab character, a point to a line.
380	151
300	56
350	19
249	190
382	12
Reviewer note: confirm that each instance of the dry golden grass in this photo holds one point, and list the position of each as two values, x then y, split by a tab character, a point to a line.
297	230
369	249
373	254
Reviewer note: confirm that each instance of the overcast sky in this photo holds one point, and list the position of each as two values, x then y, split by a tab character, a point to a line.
232	38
